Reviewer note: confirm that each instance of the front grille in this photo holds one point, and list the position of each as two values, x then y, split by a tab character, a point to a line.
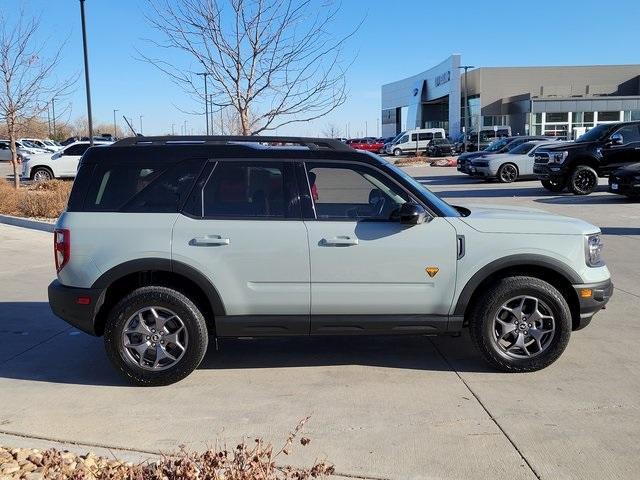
541	157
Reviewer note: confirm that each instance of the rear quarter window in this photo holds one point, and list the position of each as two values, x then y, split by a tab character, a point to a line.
135	187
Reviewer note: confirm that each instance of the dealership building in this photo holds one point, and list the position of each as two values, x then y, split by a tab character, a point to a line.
558	101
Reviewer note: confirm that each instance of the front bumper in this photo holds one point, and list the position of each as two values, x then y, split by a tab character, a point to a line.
63	301
546	171
601	292
624	186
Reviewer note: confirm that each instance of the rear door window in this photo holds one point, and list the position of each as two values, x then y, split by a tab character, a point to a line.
237	189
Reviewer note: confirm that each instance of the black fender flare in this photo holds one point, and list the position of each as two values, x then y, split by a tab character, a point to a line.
523	260
163	265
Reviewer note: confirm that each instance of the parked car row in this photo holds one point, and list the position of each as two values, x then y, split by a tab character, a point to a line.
608	150
62	164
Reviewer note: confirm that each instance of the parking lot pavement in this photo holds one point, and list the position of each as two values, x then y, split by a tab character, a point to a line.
396	408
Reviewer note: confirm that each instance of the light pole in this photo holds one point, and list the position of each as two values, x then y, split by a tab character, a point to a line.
86	73
140	124
173	126
114	122
185	128
53	115
466	105
206	95
49	120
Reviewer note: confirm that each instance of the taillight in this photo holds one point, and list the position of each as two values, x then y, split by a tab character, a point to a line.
61	247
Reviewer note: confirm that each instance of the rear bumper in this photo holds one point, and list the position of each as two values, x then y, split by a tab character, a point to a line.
63	301
601	293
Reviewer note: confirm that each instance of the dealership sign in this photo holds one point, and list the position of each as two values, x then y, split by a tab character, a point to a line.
443	78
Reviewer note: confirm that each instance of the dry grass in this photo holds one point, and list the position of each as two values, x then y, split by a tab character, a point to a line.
42	200
257	460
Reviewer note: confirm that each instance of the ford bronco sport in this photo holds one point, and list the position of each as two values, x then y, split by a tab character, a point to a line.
170	241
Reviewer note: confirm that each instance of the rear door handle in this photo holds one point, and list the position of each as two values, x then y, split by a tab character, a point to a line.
340	241
209	241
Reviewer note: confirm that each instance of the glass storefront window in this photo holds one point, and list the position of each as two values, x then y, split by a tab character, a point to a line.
631	115
537	118
557	117
608	116
588	117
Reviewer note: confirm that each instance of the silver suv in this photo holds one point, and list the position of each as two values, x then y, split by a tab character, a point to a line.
170	241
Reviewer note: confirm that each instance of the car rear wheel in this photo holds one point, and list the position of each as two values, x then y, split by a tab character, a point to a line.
397	152
554	186
583	180
508	173
155	336
42	174
521	324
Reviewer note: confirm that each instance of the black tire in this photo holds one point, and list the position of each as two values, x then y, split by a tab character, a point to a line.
583	180
42	174
554	186
160	297
508	173
482	330
397	152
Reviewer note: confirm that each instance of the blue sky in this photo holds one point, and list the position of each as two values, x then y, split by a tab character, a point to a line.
397	39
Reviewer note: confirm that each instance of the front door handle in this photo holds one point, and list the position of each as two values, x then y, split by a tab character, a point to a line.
341	241
209	241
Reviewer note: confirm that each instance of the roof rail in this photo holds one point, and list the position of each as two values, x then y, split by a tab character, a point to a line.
311	143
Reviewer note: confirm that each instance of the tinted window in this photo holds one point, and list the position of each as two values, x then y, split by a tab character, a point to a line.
522	149
629	134
167	192
77	149
438	135
113	186
4	146
425	136
342	192
414	137
262	190
404	139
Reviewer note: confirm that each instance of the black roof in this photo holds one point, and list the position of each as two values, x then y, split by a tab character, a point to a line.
171	149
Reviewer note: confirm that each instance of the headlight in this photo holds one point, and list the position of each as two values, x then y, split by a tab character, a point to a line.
593	250
557	157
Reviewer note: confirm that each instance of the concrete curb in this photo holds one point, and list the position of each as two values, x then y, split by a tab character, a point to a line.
27	223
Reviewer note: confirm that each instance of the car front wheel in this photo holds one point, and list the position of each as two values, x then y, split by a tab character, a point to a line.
155	336
583	180
397	152
508	173
521	324
42	174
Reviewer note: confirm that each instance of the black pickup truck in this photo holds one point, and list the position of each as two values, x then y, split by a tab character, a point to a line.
578	165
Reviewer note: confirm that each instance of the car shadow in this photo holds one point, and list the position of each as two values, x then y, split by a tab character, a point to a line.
626	231
45	349
570	199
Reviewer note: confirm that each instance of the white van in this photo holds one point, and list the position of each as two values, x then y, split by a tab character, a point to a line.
413	140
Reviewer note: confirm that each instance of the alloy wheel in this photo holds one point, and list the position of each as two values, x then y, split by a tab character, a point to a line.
523	327
41	176
585	181
508	173
154	338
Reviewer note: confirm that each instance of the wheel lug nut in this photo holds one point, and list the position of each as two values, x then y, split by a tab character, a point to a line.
148	337
530	325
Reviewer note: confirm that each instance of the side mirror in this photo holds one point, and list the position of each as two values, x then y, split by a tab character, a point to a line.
410	214
616	139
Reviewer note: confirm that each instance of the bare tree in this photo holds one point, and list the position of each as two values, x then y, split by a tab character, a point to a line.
273	62
26	76
331	130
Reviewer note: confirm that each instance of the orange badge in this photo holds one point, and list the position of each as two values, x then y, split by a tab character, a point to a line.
431	271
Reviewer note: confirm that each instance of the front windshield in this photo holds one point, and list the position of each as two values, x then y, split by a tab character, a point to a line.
596	133
431	197
496	145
